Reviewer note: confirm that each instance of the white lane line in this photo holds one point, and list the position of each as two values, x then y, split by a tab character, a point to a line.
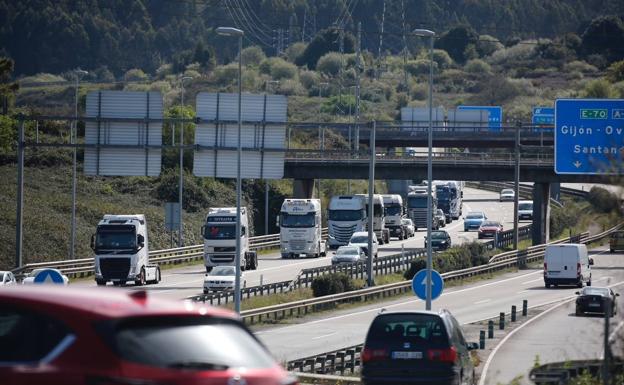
376	310
323	336
522	291
508	336
482	301
535	280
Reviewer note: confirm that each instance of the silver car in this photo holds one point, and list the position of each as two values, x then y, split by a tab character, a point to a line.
221	278
409	226
348	254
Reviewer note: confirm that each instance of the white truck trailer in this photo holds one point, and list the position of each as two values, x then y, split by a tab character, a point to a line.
121	251
346	215
219	234
300	229
379	218
393	204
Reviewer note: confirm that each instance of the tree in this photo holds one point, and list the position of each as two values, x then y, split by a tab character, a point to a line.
7	88
457	42
325	41
604	36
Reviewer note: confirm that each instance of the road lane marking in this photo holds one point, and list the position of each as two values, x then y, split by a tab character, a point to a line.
323	336
483	301
522	291
535	280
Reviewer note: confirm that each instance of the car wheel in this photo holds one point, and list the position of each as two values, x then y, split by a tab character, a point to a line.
580	283
205	291
578	312
100	282
612	251
547	285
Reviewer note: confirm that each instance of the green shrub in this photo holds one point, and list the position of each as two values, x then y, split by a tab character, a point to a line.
291	87
333	283
281	69
563	219
415	267
252	56
309	79
294	51
227	74
615	72
580	66
419	67
135	75
602	200
455	258
330	64
477	66
599	88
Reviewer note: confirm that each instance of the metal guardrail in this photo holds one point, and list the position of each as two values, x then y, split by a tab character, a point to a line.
348	359
84	267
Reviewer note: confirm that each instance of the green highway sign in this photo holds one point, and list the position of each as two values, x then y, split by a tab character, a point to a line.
594	113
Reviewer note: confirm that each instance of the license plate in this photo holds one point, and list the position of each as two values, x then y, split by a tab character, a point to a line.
407	355
594	305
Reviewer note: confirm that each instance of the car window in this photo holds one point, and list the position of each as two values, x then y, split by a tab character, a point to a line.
347	251
223	270
489	223
474	216
359	239
177	342
415	328
30	337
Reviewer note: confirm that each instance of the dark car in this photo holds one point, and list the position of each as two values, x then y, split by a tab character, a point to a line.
71	336
490	229
594	299
440	240
417	347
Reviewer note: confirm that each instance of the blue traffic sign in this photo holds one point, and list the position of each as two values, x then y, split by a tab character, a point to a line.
49	276
543	116
496	114
589	136
419	284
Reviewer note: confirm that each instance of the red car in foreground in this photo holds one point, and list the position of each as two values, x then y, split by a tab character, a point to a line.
67	336
490	229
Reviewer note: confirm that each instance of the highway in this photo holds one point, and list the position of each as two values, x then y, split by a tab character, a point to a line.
180	283
477	301
558	335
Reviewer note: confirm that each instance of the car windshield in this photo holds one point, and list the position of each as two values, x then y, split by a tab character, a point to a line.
417	329
393	210
220	231
347	251
417	202
474	216
359	239
345	215
438	235
596	291
290	220
489	223
201	343
525	206
35	272
507	192
443	194
115	237
406	222
223	270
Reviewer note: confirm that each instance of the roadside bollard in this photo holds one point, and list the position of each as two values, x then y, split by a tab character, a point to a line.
501	321
525	307
482	339
490	329
513	313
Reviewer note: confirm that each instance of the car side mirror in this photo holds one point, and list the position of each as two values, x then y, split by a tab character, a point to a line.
92	241
617	294
141	241
203	230
577	292
472	346
591	261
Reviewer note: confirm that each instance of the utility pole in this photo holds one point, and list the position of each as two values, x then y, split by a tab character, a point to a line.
407	90
20	194
370	280
357	88
383	19
516	185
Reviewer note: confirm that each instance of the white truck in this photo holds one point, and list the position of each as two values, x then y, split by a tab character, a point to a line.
300	229
122	252
393	204
379	218
346	215
219	233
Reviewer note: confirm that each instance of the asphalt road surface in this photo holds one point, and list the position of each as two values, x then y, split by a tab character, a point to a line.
558	335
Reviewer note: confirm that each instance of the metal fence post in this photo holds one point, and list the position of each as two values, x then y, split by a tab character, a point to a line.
490	329
525	307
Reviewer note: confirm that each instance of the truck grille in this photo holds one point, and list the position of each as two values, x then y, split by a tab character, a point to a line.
419	217
343	234
115	268
222	249
298	244
222	258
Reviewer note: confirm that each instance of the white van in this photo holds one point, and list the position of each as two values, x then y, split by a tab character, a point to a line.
567	264
525	210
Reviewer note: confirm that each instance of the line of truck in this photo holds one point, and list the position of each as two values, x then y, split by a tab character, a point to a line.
121	246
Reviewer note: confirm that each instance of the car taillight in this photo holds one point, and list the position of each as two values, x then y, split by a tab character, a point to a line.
369	354
442	355
578	269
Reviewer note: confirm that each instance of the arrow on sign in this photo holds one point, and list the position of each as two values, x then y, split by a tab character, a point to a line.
577	164
424	282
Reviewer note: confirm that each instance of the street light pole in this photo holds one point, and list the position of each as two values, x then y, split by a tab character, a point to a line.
73	140
266	181
431	35
320	137
181	182
229	31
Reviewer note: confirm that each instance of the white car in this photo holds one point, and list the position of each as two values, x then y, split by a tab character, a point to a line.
409	226
7	278
348	254
360	238
507	194
30	278
221	278
525	210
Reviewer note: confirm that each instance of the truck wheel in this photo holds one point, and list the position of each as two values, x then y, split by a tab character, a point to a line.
158	276
208	269
141	280
255	261
100	282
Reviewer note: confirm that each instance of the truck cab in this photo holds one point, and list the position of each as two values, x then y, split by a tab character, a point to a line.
300	229
393	204
449	200
417	207
121	251
219	233
346	215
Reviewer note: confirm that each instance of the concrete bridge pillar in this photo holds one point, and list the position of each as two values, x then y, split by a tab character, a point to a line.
303	188
541	213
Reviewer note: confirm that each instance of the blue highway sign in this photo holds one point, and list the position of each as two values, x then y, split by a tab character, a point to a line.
543	115
419	284
49	276
496	114
589	136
